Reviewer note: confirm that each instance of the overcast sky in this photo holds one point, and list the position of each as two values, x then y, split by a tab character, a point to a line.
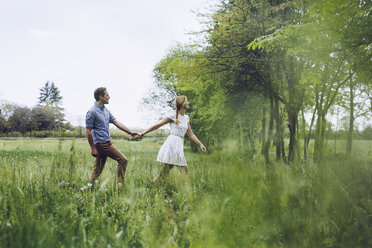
81	45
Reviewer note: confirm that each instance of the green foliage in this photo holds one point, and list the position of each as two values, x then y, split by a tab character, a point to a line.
49	95
50	99
298	55
367	133
21	120
43	118
225	201
30	121
350	23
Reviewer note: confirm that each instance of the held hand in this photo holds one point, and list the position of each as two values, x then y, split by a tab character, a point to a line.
136	136
94	152
202	147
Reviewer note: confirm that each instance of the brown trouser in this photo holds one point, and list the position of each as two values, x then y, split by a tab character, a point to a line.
104	150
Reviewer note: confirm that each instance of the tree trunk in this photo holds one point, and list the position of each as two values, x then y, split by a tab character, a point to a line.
292	114
283	150
269	133
304	132
263	132
292	124
251	137
335	135
351	120
319	137
318	111
280	149
279	134
322	135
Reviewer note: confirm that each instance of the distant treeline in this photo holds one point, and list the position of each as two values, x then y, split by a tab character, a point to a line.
23	120
46	121
79	132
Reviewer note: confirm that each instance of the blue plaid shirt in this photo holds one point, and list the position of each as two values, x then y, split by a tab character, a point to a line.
98	118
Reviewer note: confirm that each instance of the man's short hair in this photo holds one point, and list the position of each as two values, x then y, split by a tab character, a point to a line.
99	92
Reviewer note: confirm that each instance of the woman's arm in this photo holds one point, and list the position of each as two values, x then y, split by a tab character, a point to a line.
158	125
195	139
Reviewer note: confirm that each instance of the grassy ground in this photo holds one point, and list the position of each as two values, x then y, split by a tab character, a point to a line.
46	201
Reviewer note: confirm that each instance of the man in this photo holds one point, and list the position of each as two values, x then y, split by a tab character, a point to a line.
98	133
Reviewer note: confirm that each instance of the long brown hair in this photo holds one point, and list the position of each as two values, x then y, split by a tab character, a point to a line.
179	102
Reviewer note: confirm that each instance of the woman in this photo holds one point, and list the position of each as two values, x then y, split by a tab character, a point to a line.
171	153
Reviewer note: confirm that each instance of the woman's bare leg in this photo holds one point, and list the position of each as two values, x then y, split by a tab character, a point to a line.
184	169
163	171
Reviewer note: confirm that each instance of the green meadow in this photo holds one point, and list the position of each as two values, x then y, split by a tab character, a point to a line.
225	201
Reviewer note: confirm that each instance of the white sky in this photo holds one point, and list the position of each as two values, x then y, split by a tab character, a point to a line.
83	44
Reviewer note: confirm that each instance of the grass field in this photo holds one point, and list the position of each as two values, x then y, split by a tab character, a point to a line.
225	201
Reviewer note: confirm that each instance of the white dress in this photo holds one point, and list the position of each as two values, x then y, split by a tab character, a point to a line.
171	152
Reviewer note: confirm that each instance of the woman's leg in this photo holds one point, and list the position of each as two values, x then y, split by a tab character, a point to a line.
184	169
163	171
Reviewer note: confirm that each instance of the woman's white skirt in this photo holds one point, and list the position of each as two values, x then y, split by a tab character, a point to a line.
171	152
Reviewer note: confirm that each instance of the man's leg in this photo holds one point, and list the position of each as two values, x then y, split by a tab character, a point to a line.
113	152
99	164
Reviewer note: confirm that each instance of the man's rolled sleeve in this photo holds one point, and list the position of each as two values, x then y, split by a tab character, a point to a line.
112	118
89	120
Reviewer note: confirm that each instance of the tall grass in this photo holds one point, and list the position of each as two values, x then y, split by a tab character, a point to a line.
225	201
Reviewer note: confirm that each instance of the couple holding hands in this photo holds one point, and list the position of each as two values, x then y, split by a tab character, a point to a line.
170	154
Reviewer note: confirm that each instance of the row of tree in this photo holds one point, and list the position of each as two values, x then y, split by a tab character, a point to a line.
264	67
47	115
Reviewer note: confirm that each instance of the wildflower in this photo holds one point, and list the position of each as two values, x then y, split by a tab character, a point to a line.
119	234
148	218
89	184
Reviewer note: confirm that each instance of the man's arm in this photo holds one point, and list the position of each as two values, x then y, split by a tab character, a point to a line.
90	141
121	126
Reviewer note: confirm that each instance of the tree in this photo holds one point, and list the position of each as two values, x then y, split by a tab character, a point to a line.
356	102
222	75
285	57
6	110
21	120
367	133
4	126
349	23
51	98
43	118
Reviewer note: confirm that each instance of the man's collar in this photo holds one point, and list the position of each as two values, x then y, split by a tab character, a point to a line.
99	105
